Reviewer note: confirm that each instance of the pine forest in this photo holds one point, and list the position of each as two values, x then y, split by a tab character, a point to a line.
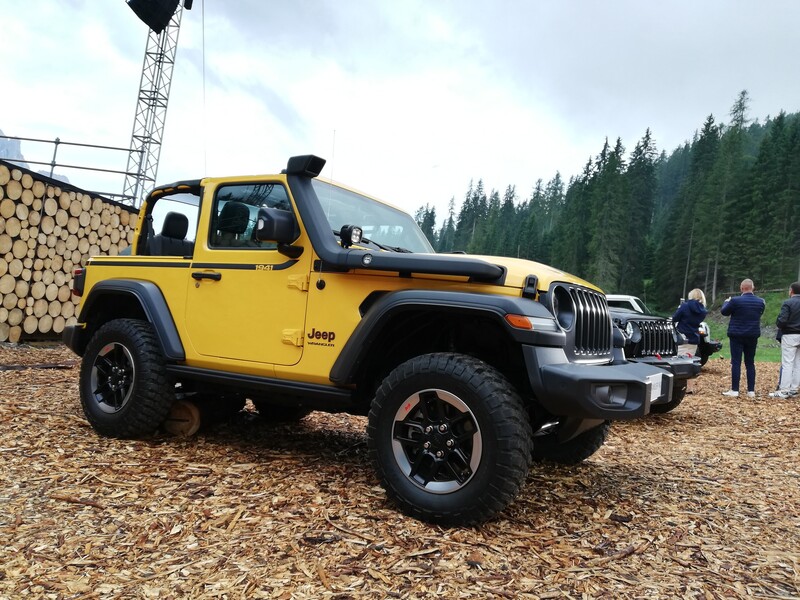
714	211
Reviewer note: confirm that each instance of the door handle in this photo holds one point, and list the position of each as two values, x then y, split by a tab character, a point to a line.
206	275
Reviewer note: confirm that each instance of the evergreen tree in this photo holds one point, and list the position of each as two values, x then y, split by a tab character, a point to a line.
676	257
714	210
719	201
426	219
485	228
506	234
553	205
570	250
553	202
533	216
641	184
528	236
774	206
473	212
610	199
671	174
447	234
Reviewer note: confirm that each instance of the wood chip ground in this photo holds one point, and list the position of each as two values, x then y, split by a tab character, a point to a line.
703	502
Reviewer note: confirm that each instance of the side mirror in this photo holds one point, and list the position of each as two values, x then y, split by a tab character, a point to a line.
275	225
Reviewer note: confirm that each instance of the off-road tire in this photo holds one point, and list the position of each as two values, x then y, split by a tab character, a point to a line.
468	413
124	388
571	452
678	394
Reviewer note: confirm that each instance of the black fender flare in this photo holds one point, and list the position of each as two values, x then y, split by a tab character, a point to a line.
151	299
368	331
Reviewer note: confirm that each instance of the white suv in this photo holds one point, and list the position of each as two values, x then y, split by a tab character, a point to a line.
628	302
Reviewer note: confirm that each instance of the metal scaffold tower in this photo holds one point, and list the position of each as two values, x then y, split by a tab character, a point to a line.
151	109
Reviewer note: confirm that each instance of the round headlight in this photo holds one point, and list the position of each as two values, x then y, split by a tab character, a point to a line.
634	332
629	329
563	307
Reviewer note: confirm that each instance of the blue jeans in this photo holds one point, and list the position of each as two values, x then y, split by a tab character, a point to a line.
743	345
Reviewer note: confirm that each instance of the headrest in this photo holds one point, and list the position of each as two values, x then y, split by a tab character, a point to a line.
234	217
175	225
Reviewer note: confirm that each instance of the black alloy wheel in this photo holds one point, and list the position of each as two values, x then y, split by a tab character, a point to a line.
437	441
124	388
449	439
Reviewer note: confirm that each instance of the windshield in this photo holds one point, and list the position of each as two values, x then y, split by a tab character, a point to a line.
380	223
629	303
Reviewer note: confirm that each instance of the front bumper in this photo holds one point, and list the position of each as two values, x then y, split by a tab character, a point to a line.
681	367
616	392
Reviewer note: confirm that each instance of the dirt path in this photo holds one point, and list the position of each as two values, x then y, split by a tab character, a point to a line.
703	502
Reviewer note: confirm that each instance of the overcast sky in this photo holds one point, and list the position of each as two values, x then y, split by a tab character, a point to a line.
408	101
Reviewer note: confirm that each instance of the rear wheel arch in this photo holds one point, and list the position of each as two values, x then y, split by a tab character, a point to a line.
131	299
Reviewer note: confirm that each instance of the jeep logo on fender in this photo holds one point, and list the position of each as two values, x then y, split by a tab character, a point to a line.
321	338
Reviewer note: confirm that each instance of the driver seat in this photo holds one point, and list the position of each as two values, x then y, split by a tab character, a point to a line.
233	220
172	239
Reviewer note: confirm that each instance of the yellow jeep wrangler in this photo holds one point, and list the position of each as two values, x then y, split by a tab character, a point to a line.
301	294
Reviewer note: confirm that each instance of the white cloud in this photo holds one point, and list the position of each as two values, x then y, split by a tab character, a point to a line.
407	101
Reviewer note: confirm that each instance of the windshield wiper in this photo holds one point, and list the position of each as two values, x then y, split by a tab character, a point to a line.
385	247
378	244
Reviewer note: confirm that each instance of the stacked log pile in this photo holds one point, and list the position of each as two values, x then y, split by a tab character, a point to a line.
46	231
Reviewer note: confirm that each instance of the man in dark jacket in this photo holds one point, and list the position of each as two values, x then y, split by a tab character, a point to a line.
744	330
788	323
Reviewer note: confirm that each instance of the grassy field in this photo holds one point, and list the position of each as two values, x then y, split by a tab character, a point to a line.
769	349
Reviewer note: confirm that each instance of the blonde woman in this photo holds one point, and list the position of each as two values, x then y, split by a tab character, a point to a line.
687	320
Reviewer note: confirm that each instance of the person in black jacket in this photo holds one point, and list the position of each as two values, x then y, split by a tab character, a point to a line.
788	323
687	321
744	330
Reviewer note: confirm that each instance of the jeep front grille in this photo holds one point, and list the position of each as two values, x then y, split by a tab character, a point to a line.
657	338
592	323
